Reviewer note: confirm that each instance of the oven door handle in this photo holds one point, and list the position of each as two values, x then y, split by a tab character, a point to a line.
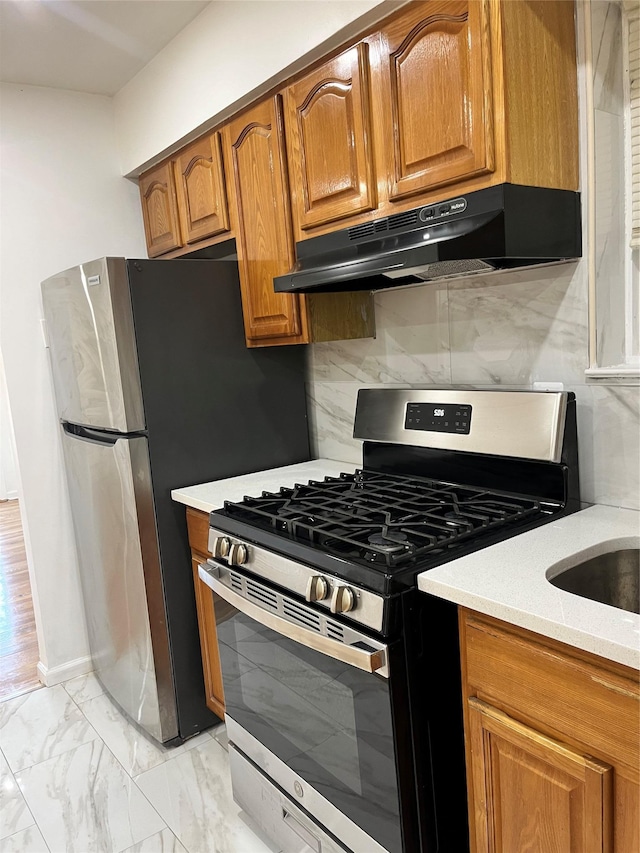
352	655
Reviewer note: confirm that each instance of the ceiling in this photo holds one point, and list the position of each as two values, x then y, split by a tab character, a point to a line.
91	46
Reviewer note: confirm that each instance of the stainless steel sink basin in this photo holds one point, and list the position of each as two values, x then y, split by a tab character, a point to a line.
612	578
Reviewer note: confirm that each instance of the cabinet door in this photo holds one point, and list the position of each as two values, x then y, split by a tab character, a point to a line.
202	199
160	210
534	793
329	140
438	85
214	692
263	232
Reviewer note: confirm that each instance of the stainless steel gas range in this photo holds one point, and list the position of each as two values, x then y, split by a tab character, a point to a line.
341	679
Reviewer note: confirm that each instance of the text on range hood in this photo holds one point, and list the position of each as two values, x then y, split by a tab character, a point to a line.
501	227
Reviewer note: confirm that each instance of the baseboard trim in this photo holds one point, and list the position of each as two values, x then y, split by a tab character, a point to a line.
57	674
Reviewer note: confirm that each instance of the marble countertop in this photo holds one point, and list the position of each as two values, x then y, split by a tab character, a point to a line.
509	581
210	496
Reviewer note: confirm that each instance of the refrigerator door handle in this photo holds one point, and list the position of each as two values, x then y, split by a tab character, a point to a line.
95	436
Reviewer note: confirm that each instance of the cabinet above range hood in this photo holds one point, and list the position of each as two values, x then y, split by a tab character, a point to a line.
501	227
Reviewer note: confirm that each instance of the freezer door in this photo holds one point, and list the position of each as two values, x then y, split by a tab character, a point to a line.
87	310
112	507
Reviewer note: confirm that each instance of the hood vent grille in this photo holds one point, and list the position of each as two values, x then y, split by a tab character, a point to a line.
379	226
403	220
366	230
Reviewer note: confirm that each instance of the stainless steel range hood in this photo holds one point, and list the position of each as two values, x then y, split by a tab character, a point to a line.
501	227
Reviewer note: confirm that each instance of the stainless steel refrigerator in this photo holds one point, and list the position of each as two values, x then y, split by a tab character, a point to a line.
156	389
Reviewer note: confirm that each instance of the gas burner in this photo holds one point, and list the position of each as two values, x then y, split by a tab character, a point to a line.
389	543
455	520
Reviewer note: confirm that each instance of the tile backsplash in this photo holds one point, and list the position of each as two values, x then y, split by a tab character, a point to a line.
508	329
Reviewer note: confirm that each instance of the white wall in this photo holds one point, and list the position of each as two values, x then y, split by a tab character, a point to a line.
233	50
8	468
62	202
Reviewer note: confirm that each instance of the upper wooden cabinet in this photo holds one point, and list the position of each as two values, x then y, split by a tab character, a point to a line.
445	97
259	188
184	200
442	98
160	210
436	87
263	231
202	199
328	118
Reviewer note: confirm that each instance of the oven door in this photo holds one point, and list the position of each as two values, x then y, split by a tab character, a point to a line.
308	701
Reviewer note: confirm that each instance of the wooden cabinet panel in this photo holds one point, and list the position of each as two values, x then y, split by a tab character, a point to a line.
198	531
534	793
567	694
208	640
439	94
553	743
329	140
539	65
265	248
202	200
160	210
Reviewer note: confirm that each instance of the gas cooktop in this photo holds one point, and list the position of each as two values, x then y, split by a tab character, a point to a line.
382	523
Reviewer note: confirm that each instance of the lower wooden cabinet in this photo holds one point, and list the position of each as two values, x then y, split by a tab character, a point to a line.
553	744
533	792
198	527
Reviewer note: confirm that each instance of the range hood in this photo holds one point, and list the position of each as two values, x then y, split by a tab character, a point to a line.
501	227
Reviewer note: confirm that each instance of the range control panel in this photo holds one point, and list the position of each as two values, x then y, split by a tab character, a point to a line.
438	417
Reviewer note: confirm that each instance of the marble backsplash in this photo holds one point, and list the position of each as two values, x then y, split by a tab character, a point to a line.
509	330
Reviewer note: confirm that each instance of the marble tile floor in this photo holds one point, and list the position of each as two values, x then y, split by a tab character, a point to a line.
77	777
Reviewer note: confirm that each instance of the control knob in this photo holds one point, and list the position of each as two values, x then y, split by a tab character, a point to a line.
221	545
343	599
237	554
317	588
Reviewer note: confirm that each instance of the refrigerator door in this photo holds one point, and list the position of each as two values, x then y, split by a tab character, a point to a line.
113	515
89	323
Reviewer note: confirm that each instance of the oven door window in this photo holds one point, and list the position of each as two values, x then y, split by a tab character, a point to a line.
328	721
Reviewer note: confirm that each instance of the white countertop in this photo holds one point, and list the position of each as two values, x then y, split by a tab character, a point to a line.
509	581
210	496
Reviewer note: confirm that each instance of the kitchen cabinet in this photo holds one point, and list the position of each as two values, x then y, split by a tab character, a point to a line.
184	201
259	193
553	743
436	84
202	199
198	529
328	117
443	98
160	210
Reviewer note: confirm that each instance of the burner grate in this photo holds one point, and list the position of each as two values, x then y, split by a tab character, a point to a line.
385	519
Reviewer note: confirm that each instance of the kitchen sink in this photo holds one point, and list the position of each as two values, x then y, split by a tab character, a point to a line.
612	578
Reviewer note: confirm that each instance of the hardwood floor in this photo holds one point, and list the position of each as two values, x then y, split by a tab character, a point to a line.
18	642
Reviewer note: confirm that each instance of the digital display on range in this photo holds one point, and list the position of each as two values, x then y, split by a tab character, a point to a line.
438	417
